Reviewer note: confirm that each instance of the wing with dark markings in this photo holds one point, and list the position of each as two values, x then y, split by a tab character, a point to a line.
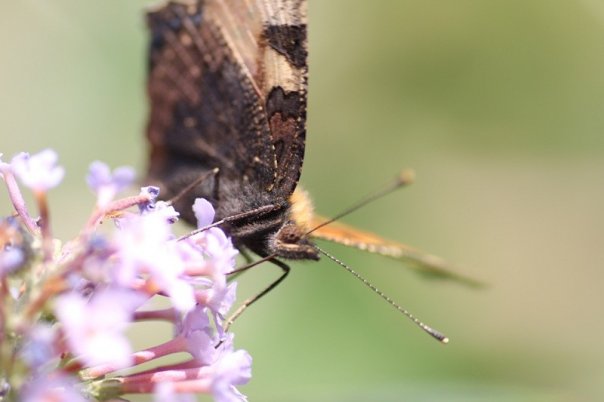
227	84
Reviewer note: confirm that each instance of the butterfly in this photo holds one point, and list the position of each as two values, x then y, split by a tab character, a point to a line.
228	93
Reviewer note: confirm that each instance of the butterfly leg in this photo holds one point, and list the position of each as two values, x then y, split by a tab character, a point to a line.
284	267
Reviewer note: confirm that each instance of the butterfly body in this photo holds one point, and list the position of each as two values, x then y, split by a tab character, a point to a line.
228	93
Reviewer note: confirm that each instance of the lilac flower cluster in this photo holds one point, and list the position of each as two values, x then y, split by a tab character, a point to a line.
64	307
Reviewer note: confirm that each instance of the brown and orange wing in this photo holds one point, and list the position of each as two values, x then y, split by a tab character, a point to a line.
422	262
228	89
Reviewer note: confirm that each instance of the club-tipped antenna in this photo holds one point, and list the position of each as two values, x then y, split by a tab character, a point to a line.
442	338
404	178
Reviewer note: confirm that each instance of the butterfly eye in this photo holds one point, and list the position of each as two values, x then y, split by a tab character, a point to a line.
291	237
289	234
291	243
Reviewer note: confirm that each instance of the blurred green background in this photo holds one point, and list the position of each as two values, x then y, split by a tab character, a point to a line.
498	106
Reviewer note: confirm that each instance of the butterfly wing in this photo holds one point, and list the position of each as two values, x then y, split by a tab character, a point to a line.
227	85
423	263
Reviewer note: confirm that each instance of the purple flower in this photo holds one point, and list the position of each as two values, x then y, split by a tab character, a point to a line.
152	193
94	328
51	388
221	304
204	212
145	248
167	211
39	350
229	369
221	367
198	334
192	255
98	283
233	368
13	246
106	184
220	260
220	298
141	244
11	258
38	172
219	247
180	292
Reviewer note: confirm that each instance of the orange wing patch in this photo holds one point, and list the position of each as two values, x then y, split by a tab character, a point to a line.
302	212
422	262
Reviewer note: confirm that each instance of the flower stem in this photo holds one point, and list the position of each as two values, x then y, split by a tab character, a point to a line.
18	202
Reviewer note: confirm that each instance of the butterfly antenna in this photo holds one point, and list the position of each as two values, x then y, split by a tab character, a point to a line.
429	330
405	178
194	184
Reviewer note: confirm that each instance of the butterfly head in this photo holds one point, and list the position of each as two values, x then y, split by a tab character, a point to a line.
291	242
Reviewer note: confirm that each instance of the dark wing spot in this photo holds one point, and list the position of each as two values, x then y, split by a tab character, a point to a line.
290	41
169	19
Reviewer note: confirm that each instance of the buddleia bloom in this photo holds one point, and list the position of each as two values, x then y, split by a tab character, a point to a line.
65	308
